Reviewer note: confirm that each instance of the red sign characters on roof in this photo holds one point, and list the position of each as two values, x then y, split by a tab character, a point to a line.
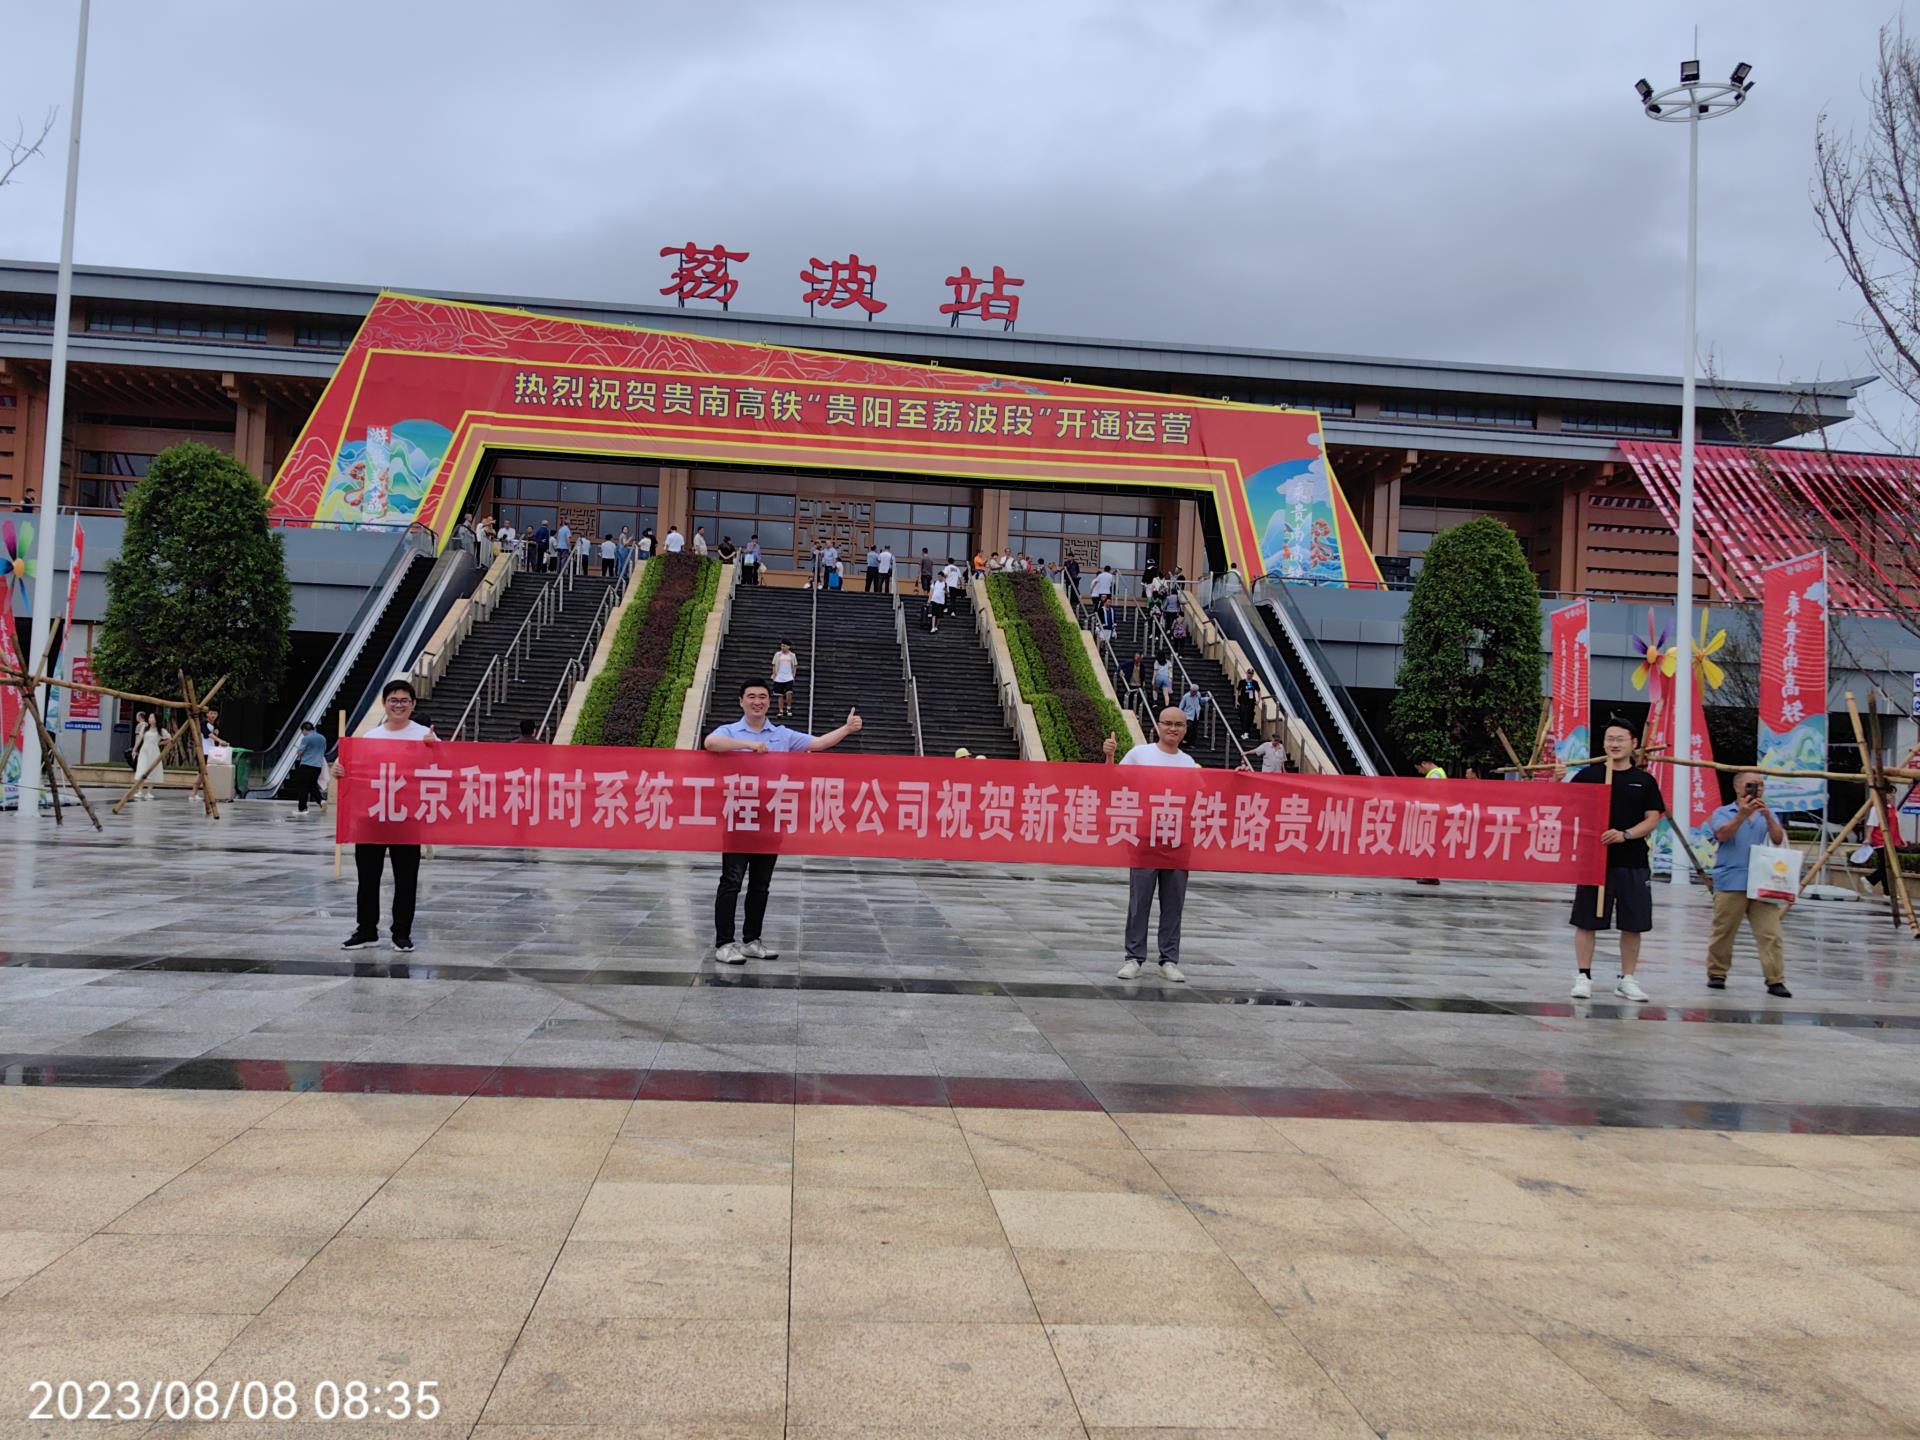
702	274
995	304
843	283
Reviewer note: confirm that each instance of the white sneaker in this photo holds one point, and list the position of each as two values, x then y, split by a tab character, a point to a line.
730	954
1130	970
1629	989
754	950
1172	973
1583	987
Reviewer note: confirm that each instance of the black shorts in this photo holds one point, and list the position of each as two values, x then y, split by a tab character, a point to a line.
1628	904
781	687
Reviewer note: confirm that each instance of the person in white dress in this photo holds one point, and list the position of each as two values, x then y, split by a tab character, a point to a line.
146	754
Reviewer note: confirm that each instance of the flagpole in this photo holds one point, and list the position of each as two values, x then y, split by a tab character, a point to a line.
32	760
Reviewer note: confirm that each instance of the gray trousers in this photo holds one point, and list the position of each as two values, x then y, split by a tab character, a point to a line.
1172	885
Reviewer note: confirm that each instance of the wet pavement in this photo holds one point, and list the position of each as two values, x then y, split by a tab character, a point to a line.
176	952
934	1172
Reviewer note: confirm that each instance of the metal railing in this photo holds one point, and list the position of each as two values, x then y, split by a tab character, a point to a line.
1152	634
912	687
431	668
730	577
503	670
576	668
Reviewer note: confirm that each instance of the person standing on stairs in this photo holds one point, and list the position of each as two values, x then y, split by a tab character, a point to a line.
755	733
786	666
699	543
872	581
936	603
926	572
750	562
886	569
564	545
675	541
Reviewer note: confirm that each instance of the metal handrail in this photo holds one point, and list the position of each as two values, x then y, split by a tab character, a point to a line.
913	713
731	572
576	668
813	637
494	679
1214	718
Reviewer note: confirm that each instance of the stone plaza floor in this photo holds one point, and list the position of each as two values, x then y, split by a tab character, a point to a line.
936	1171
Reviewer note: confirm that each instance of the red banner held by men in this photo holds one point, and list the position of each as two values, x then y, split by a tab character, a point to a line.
904	807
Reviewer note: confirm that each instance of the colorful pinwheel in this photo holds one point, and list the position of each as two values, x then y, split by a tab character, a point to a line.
1711	675
20	567
1656	657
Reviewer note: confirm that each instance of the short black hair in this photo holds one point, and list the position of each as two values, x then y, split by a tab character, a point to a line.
1616	723
526	727
404	686
306	724
746	685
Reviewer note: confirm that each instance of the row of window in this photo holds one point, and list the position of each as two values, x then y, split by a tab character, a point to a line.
24	315
187	326
577	492
1458	410
1618	421
525	518
1056	522
113	462
324	337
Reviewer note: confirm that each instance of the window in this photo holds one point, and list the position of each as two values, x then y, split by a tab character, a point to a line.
1618	420
579	492
1072	524
734	503
532	489
185	327
892	535
25	315
1046	522
1327	402
1115	525
1458	410
324	336
1039	547
929	514
113	462
892	512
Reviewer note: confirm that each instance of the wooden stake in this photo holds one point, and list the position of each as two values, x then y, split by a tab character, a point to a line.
1600	893
196	712
167	748
1539	735
51	756
1876	790
1839	839
334	794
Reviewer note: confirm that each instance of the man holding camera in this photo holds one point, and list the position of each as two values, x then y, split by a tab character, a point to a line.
1739	827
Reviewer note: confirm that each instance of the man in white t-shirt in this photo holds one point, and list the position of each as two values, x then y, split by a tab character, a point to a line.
397	700
1102	584
675	541
1143	881
885	562
829	562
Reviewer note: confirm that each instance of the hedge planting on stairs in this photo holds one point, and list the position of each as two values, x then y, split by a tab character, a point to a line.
1055	676
636	698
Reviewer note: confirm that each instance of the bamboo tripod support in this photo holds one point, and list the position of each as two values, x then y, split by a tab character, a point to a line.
1877	790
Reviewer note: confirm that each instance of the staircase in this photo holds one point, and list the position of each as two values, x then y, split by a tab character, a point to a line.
1207	674
959	704
530	692
857	663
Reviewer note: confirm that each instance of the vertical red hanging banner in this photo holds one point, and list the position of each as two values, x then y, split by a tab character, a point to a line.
11	708
1569	722
1793	680
1692	792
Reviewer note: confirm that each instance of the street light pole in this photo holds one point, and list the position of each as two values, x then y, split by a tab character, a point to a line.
32	762
1701	102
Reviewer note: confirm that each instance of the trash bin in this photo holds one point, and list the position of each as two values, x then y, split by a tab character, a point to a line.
220	772
242	764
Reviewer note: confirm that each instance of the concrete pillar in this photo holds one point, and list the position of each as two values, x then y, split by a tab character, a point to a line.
1382	509
251	419
991	507
676	500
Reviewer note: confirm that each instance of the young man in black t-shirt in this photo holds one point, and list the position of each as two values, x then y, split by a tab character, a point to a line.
1627	903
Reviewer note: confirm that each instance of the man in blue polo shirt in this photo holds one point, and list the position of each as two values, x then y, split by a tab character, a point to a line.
1739	827
753	732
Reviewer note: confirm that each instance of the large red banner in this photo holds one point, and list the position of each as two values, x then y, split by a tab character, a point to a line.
430	387
1793	680
1569	726
904	807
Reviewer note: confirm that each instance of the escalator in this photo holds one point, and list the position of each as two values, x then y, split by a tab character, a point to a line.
354	661
1271	630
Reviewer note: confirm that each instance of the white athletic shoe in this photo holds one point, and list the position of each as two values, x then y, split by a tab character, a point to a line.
754	950
729	954
1583	987
1172	973
1130	970
1629	989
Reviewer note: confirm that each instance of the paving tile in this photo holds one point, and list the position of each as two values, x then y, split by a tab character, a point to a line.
1138	1287
461	1279
926	1379
728	1159
1013	1165
608	1371
927	1284
1221	1378
865	1218
189	1274
461	1207
727	1281
1068	1220
249	1203
685	1214
24	1253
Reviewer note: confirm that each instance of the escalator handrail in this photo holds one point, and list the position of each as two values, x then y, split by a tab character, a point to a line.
1354	732
1267	645
277	755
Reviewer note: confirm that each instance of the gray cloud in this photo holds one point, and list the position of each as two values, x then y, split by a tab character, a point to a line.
1458	182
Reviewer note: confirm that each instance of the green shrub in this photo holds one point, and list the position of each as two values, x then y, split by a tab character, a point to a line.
1051	667
628	703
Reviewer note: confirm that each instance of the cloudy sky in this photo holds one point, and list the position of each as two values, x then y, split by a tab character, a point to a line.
1468	181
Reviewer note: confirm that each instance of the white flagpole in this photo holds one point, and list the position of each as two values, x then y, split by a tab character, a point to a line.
30	756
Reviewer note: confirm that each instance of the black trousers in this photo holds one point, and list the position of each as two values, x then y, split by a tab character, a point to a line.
873	580
306	785
368	861
606	567
757	872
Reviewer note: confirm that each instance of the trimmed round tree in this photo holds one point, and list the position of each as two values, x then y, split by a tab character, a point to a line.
1472	662
200	584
